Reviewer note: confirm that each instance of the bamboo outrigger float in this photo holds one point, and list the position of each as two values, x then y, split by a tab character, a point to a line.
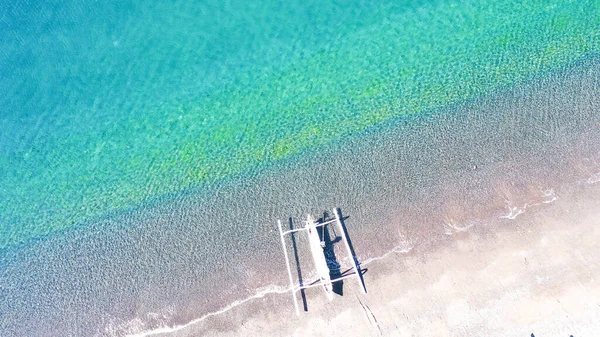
316	248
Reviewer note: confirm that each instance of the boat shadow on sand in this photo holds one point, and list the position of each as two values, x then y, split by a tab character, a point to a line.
329	238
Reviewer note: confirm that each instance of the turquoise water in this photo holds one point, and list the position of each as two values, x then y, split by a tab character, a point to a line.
159	143
174	260
106	105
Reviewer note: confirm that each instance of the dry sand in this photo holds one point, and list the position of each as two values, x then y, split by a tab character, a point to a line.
208	262
538	273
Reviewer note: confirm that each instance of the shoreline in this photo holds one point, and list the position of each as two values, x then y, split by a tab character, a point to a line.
508	259
169	263
518	192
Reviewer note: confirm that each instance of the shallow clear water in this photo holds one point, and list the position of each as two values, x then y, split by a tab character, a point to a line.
109	104
403	184
160	144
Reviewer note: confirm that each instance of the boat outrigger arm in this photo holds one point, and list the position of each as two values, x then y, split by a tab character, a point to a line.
318	255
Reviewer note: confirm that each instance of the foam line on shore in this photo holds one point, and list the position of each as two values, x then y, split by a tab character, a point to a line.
397	250
273	289
405	247
548	196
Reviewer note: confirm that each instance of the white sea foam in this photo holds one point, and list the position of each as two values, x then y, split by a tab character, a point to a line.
593	179
405	246
138	328
396	250
548	196
451	226
260	293
513	212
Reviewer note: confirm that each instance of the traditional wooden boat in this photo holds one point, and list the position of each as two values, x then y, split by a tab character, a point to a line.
317	251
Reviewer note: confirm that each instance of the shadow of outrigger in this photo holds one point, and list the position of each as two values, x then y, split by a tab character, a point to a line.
330	275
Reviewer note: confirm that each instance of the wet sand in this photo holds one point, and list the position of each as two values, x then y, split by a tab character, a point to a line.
538	273
433	186
491	229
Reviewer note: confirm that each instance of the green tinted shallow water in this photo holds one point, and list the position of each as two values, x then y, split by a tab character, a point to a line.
106	105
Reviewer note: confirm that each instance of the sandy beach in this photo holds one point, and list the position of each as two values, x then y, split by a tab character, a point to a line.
479	218
480	243
535	274
148	152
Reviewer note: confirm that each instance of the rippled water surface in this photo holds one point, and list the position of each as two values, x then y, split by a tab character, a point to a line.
146	148
109	104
